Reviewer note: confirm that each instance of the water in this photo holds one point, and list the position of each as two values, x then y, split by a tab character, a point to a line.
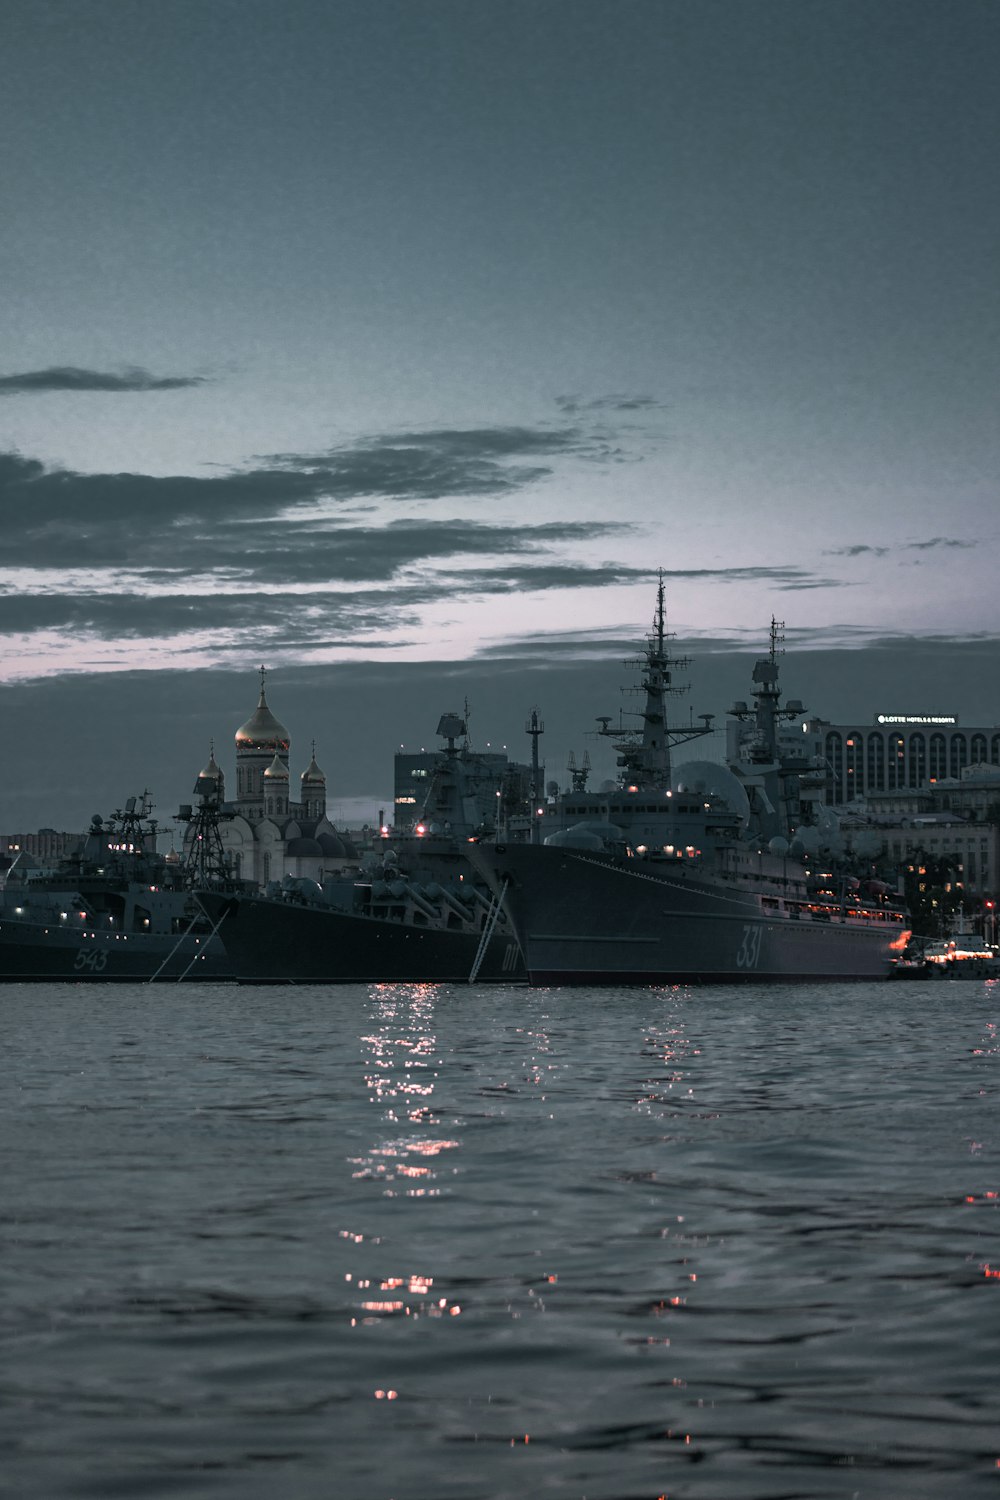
470	1243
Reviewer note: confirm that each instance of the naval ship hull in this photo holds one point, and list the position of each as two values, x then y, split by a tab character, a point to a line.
598	919
31	952
272	941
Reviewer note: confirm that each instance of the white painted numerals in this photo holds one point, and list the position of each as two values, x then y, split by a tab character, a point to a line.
93	960
748	956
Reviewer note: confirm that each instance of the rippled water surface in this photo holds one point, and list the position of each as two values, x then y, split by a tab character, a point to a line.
457	1243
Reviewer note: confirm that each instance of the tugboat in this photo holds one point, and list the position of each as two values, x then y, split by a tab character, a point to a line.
712	874
414	910
114	910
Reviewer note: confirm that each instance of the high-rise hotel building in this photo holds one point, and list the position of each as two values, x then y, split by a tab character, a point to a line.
897	752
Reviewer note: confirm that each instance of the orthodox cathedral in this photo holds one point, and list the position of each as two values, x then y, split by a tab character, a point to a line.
266	834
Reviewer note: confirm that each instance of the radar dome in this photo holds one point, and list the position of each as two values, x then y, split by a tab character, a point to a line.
706	778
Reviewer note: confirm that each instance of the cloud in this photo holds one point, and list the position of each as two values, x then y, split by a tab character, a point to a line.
938	541
300	618
623	403
441	462
273	522
70	378
858	549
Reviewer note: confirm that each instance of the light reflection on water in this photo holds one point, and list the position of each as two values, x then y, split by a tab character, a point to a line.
415	1242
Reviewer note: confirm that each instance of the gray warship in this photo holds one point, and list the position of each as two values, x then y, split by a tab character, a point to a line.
116	909
413	910
707	874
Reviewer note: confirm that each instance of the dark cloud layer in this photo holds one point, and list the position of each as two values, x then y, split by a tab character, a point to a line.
858	549
939	541
69	378
572	405
287	567
269	512
290	618
303	619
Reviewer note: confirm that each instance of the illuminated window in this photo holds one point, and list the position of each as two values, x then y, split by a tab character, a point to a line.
854	757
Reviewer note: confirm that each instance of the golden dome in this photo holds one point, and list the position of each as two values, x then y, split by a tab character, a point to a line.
262	731
277	770
312	771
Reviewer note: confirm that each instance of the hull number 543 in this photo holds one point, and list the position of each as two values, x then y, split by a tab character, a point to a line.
93	960
748	956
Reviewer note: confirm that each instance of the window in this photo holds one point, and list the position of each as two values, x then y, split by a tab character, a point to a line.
918	760
854	757
835	759
938	765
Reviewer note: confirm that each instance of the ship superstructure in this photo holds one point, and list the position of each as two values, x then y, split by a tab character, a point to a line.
700	872
114	910
412	909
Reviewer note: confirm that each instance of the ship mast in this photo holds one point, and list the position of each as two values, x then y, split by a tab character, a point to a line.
644	753
206	864
534	728
781	780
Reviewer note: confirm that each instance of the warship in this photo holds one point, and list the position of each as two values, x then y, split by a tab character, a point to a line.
116	909
413	910
707	874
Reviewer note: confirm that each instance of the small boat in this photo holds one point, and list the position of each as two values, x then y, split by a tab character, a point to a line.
962	956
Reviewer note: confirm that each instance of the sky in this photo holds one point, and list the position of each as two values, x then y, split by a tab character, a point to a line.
397	345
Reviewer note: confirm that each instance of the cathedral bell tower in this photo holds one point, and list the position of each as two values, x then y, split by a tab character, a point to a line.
313	789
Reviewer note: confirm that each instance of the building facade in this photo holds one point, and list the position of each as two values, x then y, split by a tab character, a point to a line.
956	820
898	752
266	831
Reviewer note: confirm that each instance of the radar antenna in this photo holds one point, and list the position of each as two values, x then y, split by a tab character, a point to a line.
644	751
579	774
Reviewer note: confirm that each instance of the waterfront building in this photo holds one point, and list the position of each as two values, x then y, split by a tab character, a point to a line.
46	846
956	819
898	752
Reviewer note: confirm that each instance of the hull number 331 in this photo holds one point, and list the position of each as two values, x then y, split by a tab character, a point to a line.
748	956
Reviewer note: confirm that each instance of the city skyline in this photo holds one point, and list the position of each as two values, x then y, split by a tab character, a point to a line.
399	346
